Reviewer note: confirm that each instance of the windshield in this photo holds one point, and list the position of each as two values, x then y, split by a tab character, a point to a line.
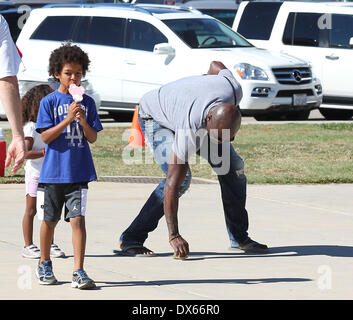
206	33
224	15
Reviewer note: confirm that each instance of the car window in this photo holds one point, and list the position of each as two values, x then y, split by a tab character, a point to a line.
341	31
258	19
288	30
226	16
142	35
206	33
80	34
59	28
302	29
106	31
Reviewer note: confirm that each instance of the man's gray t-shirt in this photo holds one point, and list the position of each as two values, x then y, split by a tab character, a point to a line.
182	106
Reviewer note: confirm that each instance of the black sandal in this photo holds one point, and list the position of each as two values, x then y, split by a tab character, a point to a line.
124	251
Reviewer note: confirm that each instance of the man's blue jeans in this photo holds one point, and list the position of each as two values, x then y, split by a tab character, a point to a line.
233	189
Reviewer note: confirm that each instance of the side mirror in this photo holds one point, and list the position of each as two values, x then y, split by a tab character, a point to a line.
164	48
351	43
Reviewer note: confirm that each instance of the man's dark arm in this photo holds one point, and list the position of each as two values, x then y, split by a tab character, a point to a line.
175	177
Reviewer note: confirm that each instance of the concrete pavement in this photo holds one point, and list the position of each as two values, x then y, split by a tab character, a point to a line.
308	228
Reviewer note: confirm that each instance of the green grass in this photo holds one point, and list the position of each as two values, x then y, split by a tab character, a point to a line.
275	154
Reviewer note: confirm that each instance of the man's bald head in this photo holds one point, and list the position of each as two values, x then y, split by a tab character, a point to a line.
223	117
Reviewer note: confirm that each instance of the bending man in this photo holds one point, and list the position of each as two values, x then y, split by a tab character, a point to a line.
196	114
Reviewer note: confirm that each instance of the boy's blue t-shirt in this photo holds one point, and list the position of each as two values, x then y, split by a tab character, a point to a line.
68	158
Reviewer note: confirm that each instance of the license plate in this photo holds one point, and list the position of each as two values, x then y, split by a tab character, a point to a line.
299	99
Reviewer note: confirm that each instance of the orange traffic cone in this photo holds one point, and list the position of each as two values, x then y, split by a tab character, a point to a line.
136	138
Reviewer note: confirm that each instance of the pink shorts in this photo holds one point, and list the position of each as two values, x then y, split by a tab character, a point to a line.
31	185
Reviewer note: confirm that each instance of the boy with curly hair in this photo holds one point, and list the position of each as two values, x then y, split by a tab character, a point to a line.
66	128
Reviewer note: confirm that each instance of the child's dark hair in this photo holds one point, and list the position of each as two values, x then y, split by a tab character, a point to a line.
31	101
67	53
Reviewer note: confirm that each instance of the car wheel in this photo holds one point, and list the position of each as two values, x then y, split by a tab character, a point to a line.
336	114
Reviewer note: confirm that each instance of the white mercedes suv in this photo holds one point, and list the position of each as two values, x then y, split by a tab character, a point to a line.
137	48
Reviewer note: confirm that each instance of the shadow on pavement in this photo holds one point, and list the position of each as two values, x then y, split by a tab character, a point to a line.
200	281
312	250
315	250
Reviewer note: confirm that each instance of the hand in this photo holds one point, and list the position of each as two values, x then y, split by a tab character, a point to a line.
73	110
81	116
17	151
180	246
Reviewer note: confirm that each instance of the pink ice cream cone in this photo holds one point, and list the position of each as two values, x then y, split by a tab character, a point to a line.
76	92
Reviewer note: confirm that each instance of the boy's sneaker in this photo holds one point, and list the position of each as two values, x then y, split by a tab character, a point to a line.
45	273
31	252
56	252
80	280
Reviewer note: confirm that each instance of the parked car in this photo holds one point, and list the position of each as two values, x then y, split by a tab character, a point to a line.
16	11
24	86
223	10
166	2
319	32
14	16
137	48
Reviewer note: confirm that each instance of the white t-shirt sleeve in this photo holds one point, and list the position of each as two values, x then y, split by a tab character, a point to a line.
33	166
9	57
29	129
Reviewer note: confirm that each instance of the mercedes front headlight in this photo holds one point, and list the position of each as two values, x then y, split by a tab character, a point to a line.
249	72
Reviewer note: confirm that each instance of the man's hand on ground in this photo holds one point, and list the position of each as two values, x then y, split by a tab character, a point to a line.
180	247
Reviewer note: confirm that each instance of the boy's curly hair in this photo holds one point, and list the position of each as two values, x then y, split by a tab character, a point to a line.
67	53
31	101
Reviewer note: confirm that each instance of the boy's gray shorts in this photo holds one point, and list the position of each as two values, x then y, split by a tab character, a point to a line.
51	198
